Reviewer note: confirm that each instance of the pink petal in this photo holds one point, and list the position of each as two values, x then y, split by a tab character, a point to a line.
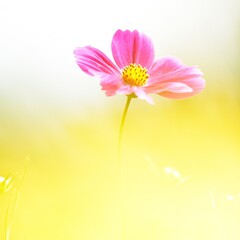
197	86
132	47
168	68
125	89
111	84
128	90
94	62
172	79
140	93
174	87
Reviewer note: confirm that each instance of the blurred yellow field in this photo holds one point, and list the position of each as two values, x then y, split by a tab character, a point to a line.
181	171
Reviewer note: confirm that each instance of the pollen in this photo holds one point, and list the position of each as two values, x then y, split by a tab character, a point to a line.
135	75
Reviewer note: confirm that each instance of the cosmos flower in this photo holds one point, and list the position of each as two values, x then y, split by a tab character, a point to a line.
136	73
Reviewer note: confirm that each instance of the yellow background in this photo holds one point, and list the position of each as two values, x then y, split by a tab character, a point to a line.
181	158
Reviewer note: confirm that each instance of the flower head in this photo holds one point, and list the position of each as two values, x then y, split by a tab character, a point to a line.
136	73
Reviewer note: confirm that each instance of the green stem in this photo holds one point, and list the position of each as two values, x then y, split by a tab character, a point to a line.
120	162
129	98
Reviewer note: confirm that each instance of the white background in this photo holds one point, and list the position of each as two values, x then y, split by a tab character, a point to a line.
38	37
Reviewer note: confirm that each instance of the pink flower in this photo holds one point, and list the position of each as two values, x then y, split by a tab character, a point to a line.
136	73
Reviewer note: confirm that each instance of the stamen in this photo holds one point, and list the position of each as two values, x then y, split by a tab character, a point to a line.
135	75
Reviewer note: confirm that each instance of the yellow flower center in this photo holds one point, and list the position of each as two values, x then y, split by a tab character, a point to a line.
135	75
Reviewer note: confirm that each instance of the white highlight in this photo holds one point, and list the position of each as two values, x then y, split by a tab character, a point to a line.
172	171
2	179
230	197
212	198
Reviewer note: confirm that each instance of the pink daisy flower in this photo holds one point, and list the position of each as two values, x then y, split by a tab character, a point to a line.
136	73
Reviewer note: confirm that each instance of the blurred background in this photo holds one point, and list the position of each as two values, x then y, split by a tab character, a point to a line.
181	158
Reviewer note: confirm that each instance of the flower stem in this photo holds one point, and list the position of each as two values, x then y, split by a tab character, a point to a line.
120	167
129	98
